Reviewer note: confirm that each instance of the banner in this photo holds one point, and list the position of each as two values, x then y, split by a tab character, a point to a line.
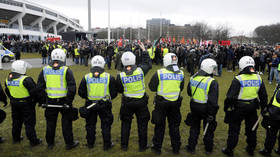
53	39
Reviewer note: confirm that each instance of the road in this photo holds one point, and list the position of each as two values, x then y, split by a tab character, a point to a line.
35	62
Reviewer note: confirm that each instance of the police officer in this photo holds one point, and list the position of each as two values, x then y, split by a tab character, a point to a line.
244	96
3	98
22	92
168	82
131	84
58	87
271	119
98	87
203	90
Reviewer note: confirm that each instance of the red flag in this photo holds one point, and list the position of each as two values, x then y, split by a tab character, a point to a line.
183	41
169	40
120	43
188	41
174	40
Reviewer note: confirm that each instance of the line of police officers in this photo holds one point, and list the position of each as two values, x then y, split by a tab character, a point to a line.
56	88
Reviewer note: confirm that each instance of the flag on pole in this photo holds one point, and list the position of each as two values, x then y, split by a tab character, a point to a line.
120	43
183	41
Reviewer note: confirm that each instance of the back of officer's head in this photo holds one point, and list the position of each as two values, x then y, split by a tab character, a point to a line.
209	66
98	61
128	59
170	59
58	55
246	61
20	67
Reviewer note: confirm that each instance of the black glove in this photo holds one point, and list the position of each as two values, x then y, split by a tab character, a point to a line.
265	112
266	122
209	119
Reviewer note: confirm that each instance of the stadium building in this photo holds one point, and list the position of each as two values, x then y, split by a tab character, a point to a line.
27	20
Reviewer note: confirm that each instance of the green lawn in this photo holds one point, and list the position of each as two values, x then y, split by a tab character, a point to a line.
27	55
23	149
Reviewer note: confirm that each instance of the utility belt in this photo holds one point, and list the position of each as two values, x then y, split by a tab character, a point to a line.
21	100
133	101
160	100
247	103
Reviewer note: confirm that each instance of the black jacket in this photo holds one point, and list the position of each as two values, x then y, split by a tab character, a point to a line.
233	92
3	96
29	84
211	108
71	87
154	83
83	88
274	111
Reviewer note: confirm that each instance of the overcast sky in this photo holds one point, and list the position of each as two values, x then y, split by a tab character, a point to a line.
242	16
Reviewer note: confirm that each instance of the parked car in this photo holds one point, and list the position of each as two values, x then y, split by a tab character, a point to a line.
6	54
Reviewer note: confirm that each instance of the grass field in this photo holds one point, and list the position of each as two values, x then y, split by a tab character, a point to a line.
26	55
23	149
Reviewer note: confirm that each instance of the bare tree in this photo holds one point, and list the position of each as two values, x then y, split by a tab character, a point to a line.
221	32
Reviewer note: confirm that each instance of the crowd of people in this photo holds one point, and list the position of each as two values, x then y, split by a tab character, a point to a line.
56	89
190	56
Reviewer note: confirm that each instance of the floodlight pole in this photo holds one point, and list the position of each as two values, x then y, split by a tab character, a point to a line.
109	28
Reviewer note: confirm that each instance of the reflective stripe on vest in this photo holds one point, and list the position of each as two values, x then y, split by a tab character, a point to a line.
165	51
98	88
151	53
249	86
201	93
56	86
76	51
134	85
169	84
17	89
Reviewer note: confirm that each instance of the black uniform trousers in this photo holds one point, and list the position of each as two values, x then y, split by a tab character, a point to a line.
250	117
271	135
106	117
140	109
195	130
51	115
171	111
24	113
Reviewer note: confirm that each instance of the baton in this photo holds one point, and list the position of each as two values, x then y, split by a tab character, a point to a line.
55	106
90	106
205	130
256	124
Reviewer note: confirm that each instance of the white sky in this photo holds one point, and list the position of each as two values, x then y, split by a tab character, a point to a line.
242	16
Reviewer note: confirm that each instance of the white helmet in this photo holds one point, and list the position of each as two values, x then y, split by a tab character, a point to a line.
209	66
20	66
245	62
128	58
98	61
170	59
58	54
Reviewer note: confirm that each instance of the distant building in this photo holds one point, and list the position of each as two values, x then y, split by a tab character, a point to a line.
157	27
241	40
